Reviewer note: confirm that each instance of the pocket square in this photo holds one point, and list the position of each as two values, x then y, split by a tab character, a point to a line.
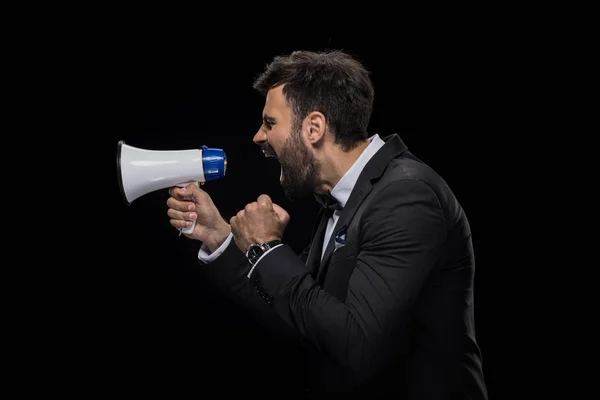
340	237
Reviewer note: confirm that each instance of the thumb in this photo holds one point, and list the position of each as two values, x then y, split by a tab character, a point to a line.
281	213
191	192
265	201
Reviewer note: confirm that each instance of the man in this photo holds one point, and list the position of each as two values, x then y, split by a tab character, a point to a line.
383	296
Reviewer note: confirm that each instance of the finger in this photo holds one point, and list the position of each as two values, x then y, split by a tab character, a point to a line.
195	193
177	223
179	205
179	193
179	215
281	213
265	201
250	206
190	192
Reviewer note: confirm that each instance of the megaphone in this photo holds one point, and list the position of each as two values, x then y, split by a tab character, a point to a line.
141	171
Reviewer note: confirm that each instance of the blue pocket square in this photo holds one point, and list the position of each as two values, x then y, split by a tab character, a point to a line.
340	237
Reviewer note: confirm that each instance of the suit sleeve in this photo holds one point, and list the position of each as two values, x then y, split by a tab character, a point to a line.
304	255
229	273
402	234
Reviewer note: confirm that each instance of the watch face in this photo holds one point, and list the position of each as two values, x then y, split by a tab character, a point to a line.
254	253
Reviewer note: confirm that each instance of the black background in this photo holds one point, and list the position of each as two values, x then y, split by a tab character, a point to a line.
155	325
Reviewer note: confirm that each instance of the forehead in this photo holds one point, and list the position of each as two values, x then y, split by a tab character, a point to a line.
275	104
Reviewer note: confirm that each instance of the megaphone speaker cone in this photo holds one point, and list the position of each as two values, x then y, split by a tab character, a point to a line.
120	173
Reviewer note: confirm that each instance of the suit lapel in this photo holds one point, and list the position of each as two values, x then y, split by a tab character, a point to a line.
372	172
359	193
313	259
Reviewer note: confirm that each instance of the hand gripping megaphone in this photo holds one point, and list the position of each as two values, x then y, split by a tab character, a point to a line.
141	171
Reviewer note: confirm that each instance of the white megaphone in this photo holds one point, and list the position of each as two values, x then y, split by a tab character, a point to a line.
142	171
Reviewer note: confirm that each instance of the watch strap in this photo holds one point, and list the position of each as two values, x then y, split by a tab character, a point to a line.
262	247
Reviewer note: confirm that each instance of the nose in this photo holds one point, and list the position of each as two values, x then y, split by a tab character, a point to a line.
260	137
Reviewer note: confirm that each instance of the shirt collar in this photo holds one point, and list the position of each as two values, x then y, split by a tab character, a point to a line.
341	192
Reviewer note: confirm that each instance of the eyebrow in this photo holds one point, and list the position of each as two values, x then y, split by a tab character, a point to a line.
268	119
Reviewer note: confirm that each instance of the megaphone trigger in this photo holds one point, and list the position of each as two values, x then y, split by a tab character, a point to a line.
189	229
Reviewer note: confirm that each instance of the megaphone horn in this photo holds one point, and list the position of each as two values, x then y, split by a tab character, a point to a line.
141	171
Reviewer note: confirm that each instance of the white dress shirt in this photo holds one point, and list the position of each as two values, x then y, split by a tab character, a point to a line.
341	192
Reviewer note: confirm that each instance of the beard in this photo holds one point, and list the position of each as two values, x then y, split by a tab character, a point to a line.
299	168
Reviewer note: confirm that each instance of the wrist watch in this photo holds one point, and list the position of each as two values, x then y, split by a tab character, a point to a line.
256	250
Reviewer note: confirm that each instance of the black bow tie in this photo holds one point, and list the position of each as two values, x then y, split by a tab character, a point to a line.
328	201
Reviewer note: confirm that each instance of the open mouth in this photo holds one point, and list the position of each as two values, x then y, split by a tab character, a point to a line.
270	153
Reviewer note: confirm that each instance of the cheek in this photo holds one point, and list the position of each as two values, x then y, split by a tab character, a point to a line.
277	144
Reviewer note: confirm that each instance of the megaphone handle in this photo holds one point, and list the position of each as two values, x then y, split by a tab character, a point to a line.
189	229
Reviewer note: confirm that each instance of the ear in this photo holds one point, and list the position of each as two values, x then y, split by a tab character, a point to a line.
315	126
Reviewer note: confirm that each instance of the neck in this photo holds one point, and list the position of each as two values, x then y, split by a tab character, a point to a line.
335	163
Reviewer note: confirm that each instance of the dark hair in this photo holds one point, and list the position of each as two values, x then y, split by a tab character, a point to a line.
331	82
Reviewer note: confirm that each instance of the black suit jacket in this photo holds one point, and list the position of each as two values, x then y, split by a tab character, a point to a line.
389	312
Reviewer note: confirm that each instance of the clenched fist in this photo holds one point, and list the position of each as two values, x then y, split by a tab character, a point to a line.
259	222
